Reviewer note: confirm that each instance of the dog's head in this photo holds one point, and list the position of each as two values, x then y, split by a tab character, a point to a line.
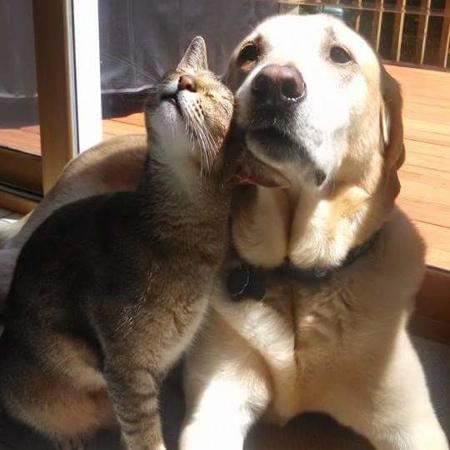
317	106
313	98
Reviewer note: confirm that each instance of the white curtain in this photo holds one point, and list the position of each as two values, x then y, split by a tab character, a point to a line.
139	39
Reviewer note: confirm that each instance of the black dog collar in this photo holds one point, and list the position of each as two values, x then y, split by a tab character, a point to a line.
246	281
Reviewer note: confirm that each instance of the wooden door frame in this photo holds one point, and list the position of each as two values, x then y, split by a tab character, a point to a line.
69	114
53	28
22	174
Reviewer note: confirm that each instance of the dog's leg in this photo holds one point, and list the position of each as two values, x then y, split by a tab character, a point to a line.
220	414
226	392
391	405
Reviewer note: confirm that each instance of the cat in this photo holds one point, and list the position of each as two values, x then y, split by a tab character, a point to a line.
110	290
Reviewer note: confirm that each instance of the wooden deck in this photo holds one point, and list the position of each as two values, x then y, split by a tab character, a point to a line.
425	175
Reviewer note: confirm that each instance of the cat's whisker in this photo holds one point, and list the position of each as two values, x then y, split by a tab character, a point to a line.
139	70
196	130
204	137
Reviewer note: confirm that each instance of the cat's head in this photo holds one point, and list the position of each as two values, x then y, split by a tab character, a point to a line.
189	112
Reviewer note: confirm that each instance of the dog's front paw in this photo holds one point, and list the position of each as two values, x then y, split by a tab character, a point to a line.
417	437
195	437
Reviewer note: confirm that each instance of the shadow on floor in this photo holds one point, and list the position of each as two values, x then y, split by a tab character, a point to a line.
307	432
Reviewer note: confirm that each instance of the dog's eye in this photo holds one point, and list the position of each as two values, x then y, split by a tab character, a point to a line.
248	54
340	55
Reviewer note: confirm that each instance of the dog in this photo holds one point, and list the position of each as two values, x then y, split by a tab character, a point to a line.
311	315
323	118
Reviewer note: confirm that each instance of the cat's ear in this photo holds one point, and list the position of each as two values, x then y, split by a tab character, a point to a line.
195	57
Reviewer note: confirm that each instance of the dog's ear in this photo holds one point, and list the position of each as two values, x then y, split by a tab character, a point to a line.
391	128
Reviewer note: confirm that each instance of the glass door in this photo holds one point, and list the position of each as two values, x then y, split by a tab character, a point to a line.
20	146
50	102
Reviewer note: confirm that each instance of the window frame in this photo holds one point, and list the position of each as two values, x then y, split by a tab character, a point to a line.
70	116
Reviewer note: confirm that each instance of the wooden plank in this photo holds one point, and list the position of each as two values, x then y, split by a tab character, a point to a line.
423	135
20	139
358	16
116	128
426	155
427	113
437	239
377	21
425	176
134	119
445	37
422	31
427	132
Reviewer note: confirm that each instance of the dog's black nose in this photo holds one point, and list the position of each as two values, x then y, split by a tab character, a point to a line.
187	83
275	84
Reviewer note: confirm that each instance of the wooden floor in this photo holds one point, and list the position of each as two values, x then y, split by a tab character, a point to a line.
425	175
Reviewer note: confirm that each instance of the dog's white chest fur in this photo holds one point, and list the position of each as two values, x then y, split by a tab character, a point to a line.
272	336
287	330
310	333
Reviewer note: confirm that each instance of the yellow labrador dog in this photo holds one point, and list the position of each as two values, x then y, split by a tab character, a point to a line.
312	312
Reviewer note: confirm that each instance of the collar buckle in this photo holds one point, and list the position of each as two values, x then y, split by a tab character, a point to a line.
249	282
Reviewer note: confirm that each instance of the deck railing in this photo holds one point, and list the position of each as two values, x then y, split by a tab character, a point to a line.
413	32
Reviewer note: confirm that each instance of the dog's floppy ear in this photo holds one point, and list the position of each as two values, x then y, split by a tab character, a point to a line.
391	128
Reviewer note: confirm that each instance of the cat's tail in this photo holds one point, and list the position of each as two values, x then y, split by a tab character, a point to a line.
8	229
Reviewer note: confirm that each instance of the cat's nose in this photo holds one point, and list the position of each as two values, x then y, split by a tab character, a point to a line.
187	83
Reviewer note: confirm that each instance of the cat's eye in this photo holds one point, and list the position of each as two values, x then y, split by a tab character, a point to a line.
248	54
340	55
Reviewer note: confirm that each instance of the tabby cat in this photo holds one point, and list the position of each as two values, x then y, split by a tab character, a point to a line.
110	290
